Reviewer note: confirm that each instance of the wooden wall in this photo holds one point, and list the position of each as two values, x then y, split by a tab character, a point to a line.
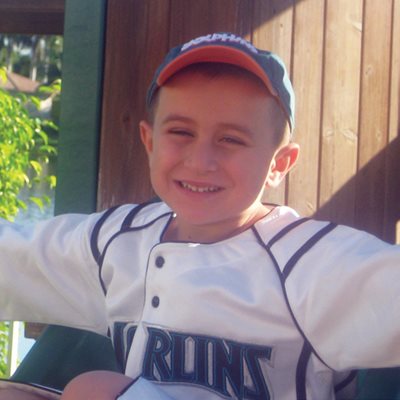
44	17
344	61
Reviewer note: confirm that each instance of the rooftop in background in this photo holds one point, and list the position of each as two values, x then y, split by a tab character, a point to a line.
19	83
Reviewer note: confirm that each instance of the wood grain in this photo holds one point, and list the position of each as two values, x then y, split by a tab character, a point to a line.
307	81
131	57
342	61
374	116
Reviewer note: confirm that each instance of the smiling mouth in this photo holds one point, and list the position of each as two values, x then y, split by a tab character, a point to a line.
199	189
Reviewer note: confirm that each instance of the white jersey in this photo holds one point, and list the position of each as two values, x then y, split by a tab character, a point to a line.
279	311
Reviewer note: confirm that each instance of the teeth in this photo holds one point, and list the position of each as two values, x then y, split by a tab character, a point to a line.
206	189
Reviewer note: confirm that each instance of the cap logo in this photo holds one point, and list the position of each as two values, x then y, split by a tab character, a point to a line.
219	37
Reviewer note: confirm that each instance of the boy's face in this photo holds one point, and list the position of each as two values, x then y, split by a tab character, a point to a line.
212	150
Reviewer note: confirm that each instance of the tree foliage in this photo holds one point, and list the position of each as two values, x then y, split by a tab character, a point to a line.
24	148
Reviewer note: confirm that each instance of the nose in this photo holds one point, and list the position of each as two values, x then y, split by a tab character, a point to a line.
202	158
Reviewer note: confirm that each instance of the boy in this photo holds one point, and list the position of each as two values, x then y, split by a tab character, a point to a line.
212	294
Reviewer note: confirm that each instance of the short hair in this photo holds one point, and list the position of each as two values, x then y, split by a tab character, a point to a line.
212	70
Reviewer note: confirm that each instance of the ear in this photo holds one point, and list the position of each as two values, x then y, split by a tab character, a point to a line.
146	134
283	161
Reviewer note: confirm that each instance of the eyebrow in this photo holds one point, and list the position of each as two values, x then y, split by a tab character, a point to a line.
176	117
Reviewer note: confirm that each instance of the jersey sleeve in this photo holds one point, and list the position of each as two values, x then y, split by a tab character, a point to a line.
343	288
48	273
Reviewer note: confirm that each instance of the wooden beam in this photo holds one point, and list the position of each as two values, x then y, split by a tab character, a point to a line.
45	17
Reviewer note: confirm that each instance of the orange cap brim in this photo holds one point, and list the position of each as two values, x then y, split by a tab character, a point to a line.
217	54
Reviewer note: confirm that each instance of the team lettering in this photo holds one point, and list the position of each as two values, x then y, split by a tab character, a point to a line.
220	37
217	364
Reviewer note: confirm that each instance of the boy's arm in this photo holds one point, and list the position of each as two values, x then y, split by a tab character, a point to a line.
344	290
48	274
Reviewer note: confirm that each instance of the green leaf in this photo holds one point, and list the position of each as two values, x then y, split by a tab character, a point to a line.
36	166
52	179
3	75
37	201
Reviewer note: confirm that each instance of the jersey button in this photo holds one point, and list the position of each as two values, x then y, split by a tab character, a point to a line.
155	301
160	261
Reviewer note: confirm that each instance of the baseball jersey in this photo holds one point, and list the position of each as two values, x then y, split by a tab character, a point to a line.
284	310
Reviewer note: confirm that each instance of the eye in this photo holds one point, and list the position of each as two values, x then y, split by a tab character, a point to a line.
180	132
233	140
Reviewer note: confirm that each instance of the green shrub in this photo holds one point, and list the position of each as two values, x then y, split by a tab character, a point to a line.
24	148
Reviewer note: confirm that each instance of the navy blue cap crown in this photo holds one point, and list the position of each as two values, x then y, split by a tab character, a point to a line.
231	49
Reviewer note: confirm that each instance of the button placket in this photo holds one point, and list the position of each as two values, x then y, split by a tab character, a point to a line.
159	263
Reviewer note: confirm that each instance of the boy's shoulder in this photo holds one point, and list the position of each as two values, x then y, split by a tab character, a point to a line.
137	215
293	240
285	229
133	215
122	218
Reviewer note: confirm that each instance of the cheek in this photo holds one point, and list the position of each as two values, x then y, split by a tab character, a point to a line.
162	159
254	172
169	153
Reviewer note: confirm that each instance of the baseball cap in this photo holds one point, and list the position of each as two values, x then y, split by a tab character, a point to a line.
232	49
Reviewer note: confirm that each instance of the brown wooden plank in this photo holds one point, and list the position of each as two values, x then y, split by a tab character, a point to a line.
133	50
374	112
190	19
307	81
392	170
273	25
340	109
32	16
